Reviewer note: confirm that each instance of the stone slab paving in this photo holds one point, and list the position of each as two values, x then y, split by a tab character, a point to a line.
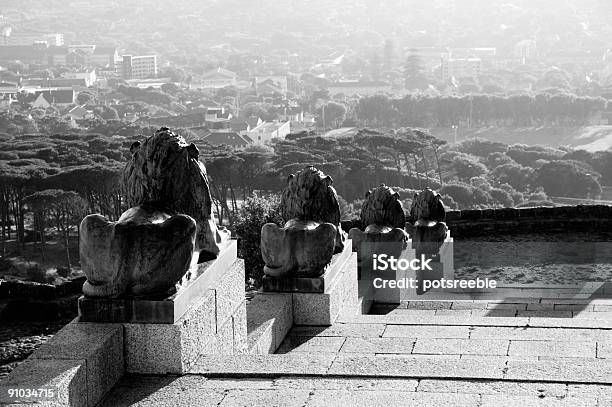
303	391
449	355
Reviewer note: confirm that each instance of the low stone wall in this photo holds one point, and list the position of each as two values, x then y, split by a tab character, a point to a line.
30	301
479	222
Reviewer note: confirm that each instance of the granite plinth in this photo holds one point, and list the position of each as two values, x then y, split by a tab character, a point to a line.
269	319
320	284
323	308
165	310
215	324
81	363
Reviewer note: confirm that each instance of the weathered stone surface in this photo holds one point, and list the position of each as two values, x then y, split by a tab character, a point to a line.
346	330
461	346
201	277
390	399
545	334
383	217
425	331
239	324
604	350
66	377
299	249
150	248
99	345
165	172
319	284
229	292
172	348
165	392
347	364
377	345
324	308
571	348
575	370
312	233
429	305
296	364
533	401
552	390
272	397
269	318
427	205
146	252
351	384
382	207
315	344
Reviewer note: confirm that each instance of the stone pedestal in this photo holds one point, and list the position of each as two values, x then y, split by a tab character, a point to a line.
442	264
207	315
442	267
317	301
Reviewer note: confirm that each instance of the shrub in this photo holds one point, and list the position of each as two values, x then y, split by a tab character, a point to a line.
37	275
255	212
502	197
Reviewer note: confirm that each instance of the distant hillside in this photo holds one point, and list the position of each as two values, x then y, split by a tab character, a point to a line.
591	138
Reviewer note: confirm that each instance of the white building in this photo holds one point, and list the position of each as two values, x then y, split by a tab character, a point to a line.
216	79
139	67
267	131
52	40
88	76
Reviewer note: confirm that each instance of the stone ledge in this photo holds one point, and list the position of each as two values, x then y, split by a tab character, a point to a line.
269	318
324	308
208	326
162	311
310	285
66	377
82	362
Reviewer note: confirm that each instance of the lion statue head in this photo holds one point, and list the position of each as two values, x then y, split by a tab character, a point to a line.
164	173
382	206
309	195
427	205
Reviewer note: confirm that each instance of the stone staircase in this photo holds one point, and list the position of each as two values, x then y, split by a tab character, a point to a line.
528	352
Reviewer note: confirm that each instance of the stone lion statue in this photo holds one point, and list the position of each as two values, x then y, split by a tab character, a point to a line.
382	216
312	234
427	215
168	228
382	208
165	172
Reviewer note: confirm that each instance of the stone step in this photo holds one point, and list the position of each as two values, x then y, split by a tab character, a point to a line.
342	391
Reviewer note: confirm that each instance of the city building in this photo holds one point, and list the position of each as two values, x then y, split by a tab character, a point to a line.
8	94
89	76
228	138
216	79
265	132
53	83
139	67
359	88
270	85
9	37
460	68
54	97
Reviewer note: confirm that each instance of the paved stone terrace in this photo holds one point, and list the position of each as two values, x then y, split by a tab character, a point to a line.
422	353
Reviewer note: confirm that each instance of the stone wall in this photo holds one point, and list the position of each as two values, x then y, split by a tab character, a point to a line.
503	221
